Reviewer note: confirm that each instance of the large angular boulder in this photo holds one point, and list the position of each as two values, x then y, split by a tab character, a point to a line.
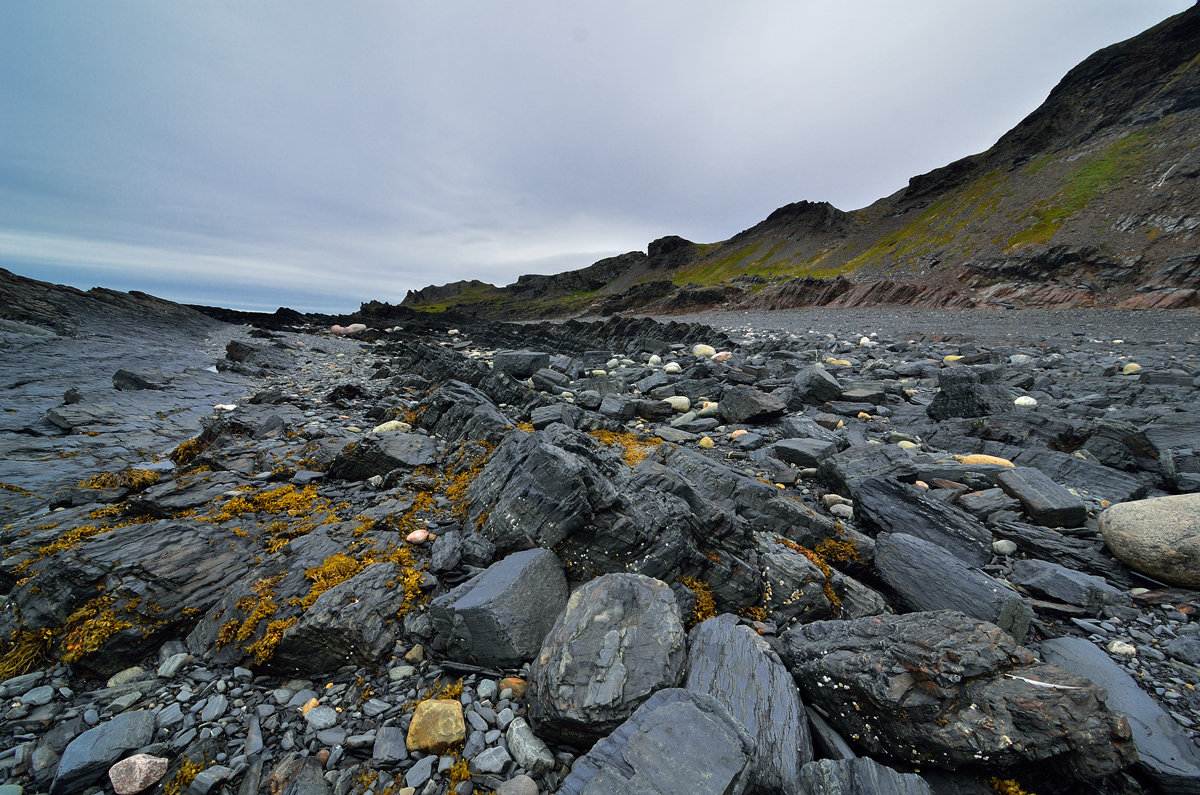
351	623
744	403
942	689
973	391
1066	585
1046	502
382	454
1165	752
888	506
816	385
733	664
619	639
91	754
500	617
678	741
520	364
928	577
459	411
1159	537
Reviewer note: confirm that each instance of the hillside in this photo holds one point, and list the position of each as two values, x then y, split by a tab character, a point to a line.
1090	201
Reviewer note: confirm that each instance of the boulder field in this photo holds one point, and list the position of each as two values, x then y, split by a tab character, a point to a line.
602	557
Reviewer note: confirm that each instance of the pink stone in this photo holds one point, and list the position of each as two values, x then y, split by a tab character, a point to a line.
722	356
417	536
356	327
336	329
137	773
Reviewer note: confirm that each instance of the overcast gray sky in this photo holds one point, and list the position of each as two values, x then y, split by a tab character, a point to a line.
320	154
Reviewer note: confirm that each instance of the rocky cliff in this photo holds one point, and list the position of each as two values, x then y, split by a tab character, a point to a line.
1089	201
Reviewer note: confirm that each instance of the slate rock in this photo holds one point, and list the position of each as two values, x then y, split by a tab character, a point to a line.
803	452
945	690
889	506
816	385
500	617
565	413
380	454
349	623
736	666
972	391
845	470
1045	501
390	745
1076	553
743	403
1159	537
129	381
861	776
458	411
619	639
527	748
1066	585
1165	751
677	741
520	364
928	577
92	753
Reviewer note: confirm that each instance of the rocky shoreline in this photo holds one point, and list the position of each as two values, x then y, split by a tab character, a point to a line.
805	553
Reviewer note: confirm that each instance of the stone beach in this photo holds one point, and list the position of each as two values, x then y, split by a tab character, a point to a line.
886	569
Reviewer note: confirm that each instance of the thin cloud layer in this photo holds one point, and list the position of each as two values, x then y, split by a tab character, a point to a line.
318	155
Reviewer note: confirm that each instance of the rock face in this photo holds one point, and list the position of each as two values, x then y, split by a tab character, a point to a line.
1159	537
501	617
619	639
678	741
736	667
945	690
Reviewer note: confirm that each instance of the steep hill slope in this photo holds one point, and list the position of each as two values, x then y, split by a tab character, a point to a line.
1091	200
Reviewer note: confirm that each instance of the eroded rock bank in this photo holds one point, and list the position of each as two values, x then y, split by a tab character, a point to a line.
615	556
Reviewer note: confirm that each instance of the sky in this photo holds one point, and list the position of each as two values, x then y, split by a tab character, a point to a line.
317	155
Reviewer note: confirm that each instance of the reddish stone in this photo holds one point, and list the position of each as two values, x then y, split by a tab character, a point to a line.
137	773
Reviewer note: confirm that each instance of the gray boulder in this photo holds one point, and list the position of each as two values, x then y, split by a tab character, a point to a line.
91	754
744	403
1066	585
381	454
520	364
677	742
1159	537
804	452
500	617
816	385
945	690
619	639
928	577
1166	753
351	623
1046	502
970	392
737	667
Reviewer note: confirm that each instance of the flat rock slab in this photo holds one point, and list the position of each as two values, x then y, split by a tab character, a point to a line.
91	754
678	741
1159	537
382	454
1165	751
743	403
733	664
929	578
942	689
862	775
619	639
1046	502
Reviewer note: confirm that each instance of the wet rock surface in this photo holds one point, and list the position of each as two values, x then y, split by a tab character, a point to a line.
261	562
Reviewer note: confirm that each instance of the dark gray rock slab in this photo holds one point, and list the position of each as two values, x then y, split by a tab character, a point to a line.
974	391
1076	553
1066	585
803	452
928	577
89	756
736	666
1166	753
889	506
459	411
743	403
500	617
520	364
619	639
565	413
677	742
381	453
131	381
816	385
861	776
844	471
351	623
945	690
1046	502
